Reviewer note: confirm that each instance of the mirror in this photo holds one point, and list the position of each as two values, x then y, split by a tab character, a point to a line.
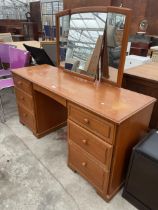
81	42
92	42
85	42
113	41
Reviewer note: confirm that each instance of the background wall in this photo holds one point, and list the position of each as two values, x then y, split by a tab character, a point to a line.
152	16
83	3
141	9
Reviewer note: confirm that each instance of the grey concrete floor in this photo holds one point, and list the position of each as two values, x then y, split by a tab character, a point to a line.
34	173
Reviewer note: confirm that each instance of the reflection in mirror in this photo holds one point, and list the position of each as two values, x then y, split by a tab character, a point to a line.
113	42
64	31
84	42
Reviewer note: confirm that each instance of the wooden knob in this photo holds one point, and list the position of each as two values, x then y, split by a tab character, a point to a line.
84	164
86	120
19	82
84	141
25	115
22	98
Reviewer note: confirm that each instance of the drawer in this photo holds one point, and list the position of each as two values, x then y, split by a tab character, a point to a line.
93	123
88	168
26	118
93	145
24	100
22	84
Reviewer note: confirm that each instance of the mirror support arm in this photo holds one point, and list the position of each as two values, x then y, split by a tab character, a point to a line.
104	59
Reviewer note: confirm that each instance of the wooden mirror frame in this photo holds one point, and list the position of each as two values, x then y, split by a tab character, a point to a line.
127	12
102	9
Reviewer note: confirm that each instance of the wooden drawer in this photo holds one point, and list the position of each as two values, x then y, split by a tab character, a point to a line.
24	100
80	161
27	118
92	144
22	84
90	121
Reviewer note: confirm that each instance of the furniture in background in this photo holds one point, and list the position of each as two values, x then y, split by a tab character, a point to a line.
155	56
4	84
17	59
154	53
141	186
139	48
135	60
103	125
4	60
48	12
17	37
20	45
48	46
39	55
30	30
50	49
35	14
6	37
144	79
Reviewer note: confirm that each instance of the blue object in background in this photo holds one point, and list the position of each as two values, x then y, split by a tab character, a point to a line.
68	66
47	30
62	53
50	32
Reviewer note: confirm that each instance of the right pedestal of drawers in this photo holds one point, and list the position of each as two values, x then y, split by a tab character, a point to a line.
99	149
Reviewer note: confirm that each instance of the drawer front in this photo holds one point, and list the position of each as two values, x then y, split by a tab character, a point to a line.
80	161
24	100
100	150
90	121
26	118
22	84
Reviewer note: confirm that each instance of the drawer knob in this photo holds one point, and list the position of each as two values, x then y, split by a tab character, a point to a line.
84	164
22	98
86	120
25	115
84	141
19	82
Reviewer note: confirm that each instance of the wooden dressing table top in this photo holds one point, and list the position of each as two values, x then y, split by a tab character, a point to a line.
20	46
115	104
147	71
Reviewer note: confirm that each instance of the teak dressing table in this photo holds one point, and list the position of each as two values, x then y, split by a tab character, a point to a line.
104	121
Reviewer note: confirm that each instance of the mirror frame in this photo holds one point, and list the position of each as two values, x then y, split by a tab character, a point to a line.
103	9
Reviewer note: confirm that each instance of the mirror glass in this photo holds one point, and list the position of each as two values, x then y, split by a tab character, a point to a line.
84	42
113	45
91	43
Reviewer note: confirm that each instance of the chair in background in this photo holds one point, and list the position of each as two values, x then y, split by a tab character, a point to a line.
4	84
39	55
18	58
50	48
4	60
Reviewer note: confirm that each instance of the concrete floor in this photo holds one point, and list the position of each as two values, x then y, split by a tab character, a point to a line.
34	173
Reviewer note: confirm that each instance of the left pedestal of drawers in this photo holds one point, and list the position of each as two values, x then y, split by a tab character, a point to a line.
25	102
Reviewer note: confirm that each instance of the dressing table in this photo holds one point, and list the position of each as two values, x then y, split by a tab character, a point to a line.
104	121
